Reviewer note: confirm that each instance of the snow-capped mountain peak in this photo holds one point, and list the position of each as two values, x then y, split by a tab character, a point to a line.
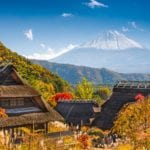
112	40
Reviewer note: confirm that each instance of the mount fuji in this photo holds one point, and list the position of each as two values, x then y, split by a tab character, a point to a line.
112	50
112	40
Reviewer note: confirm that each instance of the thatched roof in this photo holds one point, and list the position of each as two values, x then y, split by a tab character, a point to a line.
12	86
7	72
77	112
29	119
17	91
122	94
133	85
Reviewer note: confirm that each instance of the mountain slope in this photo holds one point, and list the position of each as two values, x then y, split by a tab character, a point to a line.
74	74
113	50
43	80
120	61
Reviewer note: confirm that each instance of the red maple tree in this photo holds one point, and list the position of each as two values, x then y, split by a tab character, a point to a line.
63	96
139	97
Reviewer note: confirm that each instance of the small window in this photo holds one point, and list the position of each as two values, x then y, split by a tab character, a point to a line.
20	102
13	102
5	103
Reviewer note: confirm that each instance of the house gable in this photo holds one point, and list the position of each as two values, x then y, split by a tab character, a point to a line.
9	76
22	103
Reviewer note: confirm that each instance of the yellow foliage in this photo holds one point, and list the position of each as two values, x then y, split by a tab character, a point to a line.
104	92
3	113
52	102
55	128
133	122
1	59
45	89
84	89
84	128
124	147
68	139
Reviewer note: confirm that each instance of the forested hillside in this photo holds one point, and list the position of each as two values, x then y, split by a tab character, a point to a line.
74	74
46	82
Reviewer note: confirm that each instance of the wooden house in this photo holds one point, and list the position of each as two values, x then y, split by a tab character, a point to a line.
124	92
78	112
23	104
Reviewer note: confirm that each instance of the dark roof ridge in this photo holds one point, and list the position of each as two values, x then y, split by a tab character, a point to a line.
5	66
133	84
78	101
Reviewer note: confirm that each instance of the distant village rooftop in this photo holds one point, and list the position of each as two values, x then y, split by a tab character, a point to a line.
79	101
124	92
133	84
79	112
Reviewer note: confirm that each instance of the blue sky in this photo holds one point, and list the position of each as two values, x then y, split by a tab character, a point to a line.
52	26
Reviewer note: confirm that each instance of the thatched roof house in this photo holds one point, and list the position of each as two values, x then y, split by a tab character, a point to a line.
23	104
78	112
123	93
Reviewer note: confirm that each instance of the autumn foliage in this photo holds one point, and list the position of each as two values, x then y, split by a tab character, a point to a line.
2	113
133	123
84	140
62	96
66	96
139	97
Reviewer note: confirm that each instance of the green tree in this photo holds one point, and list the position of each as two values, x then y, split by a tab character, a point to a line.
104	92
84	89
133	123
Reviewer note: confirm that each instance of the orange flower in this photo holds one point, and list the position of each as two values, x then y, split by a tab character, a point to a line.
3	112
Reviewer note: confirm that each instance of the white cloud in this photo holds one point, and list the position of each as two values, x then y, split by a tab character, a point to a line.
66	15
94	4
134	25
43	45
66	49
125	29
51	53
42	56
29	34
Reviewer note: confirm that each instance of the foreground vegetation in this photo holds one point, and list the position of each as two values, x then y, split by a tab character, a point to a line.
133	123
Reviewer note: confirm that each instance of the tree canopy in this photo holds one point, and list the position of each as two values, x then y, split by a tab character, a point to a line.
104	92
133	123
84	90
65	96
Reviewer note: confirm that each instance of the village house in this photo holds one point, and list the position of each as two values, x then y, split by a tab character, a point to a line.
78	112
124	92
24	106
